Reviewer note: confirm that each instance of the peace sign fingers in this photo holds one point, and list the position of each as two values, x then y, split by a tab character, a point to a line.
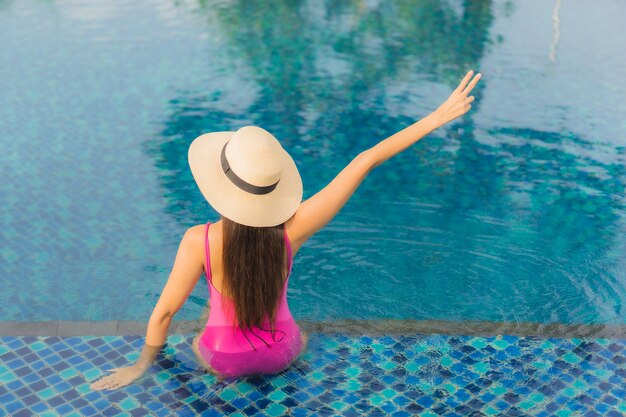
472	84
458	103
464	81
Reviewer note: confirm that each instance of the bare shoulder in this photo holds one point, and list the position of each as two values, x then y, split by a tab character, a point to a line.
193	240
195	234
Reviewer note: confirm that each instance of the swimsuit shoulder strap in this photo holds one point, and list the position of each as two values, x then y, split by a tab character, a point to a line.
288	245
207	253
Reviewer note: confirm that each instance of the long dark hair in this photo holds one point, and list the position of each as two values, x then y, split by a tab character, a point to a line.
253	260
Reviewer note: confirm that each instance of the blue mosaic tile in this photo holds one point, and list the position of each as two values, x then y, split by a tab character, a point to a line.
328	379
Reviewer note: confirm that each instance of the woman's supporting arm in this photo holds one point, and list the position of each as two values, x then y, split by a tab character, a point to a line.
185	274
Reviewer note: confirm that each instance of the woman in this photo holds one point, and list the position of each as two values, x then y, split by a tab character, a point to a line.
254	184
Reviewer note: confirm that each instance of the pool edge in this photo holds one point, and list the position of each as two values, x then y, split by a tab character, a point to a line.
343	326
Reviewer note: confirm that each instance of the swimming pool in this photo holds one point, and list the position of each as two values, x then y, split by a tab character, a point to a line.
514	214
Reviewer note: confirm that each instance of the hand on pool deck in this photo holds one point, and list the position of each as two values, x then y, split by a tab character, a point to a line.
124	376
118	379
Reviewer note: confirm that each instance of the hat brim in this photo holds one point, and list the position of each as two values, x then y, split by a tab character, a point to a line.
234	203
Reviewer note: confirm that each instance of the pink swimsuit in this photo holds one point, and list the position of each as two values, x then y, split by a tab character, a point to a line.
247	353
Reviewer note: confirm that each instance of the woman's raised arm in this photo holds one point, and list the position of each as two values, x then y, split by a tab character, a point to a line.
318	210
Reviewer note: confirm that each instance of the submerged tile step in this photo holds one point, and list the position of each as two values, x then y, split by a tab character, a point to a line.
338	374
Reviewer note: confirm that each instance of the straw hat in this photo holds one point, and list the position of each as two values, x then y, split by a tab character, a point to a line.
246	176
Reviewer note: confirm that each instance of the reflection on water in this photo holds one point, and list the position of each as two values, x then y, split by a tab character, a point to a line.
320	77
556	21
516	218
514	213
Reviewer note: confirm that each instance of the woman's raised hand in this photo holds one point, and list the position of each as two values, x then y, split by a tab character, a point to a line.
459	102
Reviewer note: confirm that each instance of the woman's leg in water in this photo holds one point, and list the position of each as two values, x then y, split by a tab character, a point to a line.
204	316
305	339
200	359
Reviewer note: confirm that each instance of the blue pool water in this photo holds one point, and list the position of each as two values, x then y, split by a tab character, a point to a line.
513	213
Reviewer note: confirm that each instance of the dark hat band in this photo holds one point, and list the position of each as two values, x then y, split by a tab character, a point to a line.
242	184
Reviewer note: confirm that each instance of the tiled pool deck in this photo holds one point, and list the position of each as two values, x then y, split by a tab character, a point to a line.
339	374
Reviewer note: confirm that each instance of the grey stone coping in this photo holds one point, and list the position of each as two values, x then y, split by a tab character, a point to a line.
345	326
